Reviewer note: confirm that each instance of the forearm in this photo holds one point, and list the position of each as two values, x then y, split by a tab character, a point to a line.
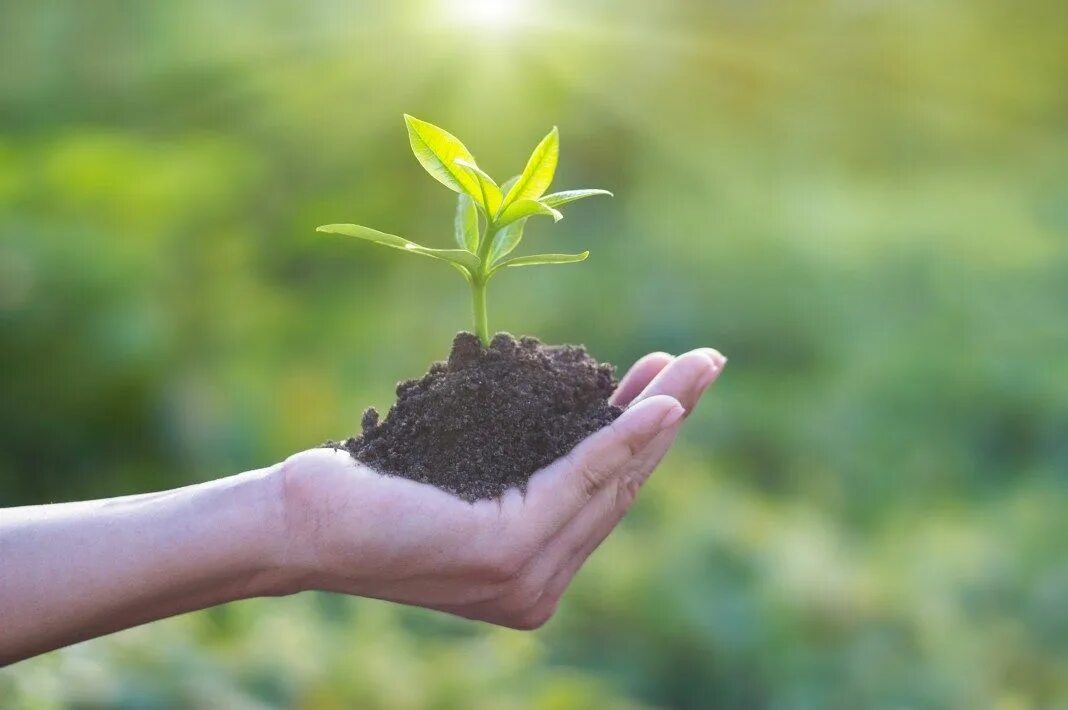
73	571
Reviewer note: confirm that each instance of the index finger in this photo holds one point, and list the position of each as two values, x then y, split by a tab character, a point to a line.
638	377
556	493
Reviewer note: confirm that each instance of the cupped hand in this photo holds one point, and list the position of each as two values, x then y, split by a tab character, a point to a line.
506	561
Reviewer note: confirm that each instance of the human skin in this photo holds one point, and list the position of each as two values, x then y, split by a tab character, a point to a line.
320	521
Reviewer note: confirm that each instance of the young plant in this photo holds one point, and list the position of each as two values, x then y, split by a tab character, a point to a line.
489	217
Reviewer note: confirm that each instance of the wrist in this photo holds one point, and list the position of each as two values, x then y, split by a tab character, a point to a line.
281	557
325	539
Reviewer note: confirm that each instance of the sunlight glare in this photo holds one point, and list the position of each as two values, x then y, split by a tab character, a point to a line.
496	14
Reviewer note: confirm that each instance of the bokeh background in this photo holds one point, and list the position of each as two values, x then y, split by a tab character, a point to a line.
863	203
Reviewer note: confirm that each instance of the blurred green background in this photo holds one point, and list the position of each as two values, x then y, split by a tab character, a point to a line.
863	204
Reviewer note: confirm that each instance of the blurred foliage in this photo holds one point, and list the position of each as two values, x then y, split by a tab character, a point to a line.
863	204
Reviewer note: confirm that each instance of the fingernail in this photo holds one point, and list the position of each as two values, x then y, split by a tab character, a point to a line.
710	375
673	416
717	357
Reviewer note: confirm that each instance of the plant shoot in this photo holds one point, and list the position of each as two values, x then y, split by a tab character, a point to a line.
489	218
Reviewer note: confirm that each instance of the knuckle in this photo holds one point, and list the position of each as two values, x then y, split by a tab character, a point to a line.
591	475
632	440
591	481
627	492
588	476
634	443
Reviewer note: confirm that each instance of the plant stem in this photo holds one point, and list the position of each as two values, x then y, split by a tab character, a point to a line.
478	284
478	291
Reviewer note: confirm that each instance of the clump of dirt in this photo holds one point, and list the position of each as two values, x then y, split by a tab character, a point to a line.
488	418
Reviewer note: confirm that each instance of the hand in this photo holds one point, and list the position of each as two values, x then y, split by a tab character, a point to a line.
505	561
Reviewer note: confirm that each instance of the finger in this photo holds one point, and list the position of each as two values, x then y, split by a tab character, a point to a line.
570	548
638	377
551	571
717	357
581	535
612	501
581	546
610	505
686	377
556	493
610	484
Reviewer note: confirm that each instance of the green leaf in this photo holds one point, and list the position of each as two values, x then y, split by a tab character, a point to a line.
526	208
562	198
466	223
489	196
460	257
437	151
538	174
506	240
536	259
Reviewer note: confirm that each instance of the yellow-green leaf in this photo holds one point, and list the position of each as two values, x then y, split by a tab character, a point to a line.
489	195
536	259
538	174
461	257
437	150
466	223
562	198
506	240
526	208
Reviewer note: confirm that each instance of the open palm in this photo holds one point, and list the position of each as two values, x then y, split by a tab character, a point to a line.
507	560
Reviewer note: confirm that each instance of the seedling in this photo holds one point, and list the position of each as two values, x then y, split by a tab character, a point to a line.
489	217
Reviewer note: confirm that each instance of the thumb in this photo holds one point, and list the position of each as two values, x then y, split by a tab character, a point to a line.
558	492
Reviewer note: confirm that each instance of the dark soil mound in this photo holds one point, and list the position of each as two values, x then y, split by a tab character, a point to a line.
489	417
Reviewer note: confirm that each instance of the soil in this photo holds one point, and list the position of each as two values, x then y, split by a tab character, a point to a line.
488	418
